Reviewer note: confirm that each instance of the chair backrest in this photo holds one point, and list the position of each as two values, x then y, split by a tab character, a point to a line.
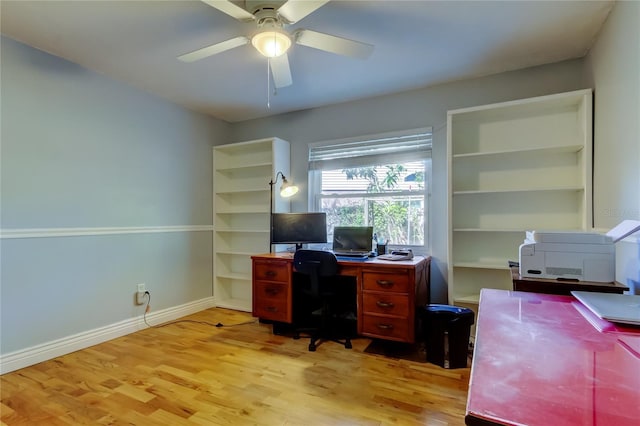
315	264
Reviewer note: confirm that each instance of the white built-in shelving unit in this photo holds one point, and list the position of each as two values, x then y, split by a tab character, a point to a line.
241	175
512	167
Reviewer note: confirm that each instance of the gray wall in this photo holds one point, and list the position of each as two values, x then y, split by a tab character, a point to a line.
614	67
419	108
82	151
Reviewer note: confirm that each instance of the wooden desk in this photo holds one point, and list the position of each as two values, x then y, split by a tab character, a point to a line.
543	359
387	292
548	286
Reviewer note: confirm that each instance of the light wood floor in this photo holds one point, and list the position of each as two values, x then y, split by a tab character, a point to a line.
191	373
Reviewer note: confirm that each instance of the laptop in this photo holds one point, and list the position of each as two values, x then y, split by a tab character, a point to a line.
352	241
619	308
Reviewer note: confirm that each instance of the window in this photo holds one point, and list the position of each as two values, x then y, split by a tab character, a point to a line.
381	181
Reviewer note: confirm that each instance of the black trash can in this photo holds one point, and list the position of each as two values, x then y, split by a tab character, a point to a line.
446	332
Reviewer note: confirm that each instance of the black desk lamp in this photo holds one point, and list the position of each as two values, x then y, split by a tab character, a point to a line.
286	190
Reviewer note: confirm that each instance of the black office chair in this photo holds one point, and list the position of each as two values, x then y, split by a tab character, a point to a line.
322	287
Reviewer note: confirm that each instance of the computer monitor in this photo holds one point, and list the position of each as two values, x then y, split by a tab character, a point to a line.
298	228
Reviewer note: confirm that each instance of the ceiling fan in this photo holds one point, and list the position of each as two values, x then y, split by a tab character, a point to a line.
272	40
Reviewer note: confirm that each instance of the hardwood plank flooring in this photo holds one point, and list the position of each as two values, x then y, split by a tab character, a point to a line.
190	373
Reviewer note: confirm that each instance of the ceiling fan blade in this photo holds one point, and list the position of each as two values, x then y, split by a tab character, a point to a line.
230	9
295	10
213	49
333	44
281	71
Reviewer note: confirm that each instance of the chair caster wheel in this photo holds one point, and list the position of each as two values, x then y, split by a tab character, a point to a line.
296	336
347	345
312	348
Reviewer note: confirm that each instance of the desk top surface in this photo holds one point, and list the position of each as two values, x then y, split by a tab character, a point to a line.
547	360
367	262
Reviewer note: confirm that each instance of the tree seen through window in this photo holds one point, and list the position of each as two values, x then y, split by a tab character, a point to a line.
389	197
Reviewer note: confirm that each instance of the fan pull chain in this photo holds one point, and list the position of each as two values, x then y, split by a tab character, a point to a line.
268	83
275	52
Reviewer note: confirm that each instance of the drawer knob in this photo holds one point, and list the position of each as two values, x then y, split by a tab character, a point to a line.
385	326
270	273
272	309
271	291
385	283
382	304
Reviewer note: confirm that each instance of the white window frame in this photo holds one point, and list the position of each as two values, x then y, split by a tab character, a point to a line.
411	145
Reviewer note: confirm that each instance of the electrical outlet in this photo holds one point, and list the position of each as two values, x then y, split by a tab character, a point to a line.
140	294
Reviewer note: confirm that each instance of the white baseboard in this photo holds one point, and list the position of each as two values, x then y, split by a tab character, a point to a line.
46	351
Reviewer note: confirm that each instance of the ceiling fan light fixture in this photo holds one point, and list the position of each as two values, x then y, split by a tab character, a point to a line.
272	42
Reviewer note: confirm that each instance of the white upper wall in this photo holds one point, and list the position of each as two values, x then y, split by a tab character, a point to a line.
614	63
614	68
82	150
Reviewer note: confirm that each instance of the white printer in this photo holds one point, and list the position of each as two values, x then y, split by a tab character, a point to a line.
573	255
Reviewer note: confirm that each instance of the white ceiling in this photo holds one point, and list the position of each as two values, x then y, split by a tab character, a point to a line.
417	44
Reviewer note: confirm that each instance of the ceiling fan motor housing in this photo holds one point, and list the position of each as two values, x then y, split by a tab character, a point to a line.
255	5
268	16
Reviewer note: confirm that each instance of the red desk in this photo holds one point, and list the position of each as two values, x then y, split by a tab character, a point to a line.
545	360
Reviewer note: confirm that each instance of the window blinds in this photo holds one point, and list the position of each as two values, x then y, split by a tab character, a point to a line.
381	149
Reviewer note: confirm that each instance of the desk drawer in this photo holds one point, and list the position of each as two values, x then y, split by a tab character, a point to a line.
386	328
271	291
271	301
271	271
386	304
274	310
386	281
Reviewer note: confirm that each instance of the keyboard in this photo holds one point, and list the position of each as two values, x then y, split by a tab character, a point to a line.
352	255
